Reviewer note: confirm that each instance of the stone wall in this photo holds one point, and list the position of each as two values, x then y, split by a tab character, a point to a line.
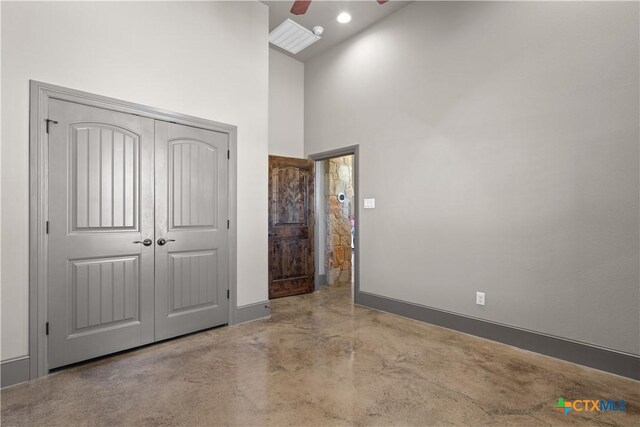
338	180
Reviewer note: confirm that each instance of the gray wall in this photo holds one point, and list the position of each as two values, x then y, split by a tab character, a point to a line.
286	105
500	141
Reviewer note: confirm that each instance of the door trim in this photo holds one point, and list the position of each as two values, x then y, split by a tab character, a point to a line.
39	96
326	155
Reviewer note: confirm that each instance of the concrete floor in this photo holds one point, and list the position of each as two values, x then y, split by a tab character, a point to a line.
320	361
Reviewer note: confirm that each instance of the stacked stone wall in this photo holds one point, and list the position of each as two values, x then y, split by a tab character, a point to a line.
339	214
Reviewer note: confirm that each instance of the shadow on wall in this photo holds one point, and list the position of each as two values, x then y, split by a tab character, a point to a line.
339	209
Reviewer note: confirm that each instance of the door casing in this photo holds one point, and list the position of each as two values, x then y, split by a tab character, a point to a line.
39	96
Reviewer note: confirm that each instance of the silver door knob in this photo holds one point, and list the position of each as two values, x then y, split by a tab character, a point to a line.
162	241
146	242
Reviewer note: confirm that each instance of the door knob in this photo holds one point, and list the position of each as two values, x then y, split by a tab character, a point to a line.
162	241
146	242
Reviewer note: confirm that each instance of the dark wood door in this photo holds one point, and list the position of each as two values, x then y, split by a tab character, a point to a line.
291	268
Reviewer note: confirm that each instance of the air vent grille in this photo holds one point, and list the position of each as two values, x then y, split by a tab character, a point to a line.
292	37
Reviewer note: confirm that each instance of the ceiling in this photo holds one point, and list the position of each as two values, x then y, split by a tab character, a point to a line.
364	13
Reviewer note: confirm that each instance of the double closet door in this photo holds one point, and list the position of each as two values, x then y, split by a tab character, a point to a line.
138	239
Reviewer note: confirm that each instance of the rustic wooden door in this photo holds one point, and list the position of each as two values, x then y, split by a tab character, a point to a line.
291	268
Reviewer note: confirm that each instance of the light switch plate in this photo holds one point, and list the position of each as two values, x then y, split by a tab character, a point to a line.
369	203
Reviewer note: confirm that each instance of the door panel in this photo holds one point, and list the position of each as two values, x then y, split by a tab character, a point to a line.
290	195
290	258
191	176
191	213
193	279
104	174
104	291
100	282
291	268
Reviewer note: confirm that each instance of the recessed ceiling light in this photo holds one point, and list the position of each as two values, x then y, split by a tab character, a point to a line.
343	18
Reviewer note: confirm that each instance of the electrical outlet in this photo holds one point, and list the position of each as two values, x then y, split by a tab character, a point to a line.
369	203
480	298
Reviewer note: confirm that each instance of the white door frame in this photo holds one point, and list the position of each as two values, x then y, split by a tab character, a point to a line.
40	94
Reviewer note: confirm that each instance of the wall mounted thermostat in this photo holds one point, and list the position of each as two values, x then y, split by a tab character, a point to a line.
369	203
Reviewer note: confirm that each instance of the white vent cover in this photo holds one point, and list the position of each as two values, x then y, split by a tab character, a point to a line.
292	36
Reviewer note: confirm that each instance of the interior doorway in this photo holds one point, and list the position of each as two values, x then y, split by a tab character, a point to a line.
336	225
313	223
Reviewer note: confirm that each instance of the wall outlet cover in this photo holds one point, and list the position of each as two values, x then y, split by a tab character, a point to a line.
480	298
369	203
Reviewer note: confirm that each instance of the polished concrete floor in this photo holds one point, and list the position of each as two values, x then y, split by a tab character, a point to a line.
320	361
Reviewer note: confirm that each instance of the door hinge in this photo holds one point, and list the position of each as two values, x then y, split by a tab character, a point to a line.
46	328
46	227
48	122
228	154
228	294
228	223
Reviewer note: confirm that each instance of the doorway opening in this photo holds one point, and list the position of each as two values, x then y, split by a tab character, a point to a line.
336	206
313	223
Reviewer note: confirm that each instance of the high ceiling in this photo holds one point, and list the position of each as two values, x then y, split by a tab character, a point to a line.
364	13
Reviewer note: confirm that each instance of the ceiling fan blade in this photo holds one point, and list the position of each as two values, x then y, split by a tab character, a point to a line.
300	7
382	1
